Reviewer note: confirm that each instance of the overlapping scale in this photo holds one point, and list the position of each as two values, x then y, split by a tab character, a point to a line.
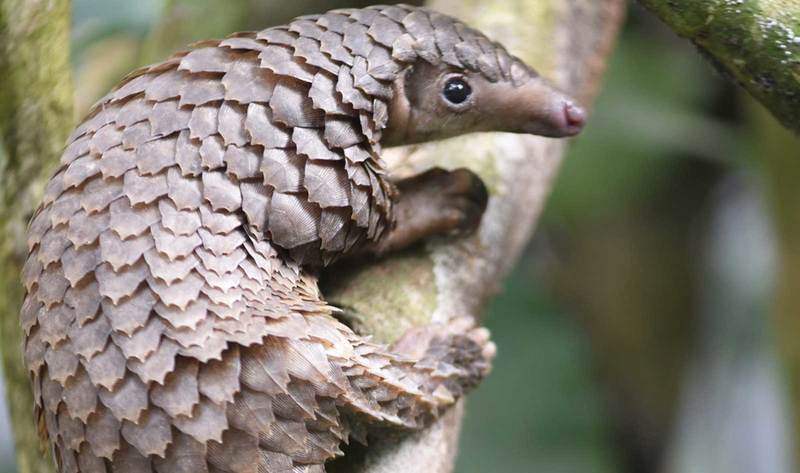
168	327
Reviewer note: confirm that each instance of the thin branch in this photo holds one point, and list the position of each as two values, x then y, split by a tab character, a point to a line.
755	43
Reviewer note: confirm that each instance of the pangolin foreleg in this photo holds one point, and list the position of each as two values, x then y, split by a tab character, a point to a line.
435	202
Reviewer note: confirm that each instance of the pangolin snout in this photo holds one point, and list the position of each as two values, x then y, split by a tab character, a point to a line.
539	108
555	117
574	118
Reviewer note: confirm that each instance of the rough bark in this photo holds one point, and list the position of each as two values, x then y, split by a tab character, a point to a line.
755	43
35	118
568	41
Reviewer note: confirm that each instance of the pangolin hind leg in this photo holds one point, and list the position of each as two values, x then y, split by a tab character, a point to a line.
302	395
287	404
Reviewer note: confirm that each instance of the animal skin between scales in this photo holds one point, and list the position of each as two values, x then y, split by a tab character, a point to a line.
173	321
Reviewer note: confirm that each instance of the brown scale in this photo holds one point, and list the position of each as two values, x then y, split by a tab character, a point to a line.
172	316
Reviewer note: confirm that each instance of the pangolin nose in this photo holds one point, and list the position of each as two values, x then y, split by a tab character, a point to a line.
574	117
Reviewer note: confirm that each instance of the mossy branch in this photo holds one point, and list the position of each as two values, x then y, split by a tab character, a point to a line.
754	42
450	279
35	118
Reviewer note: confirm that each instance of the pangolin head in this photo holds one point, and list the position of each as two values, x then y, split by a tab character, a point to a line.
468	83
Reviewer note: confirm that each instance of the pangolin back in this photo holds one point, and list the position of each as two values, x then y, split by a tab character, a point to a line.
170	323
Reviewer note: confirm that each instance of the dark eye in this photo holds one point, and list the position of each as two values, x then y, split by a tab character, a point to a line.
456	91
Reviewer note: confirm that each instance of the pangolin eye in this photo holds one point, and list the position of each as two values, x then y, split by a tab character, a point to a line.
456	91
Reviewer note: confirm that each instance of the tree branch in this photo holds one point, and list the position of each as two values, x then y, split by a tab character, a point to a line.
755	43
569	42
35	118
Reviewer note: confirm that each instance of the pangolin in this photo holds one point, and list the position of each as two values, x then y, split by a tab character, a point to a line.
173	321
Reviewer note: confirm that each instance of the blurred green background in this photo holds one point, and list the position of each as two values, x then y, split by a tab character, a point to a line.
651	325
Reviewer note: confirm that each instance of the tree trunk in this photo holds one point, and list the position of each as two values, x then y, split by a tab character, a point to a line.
568	41
35	118
756	43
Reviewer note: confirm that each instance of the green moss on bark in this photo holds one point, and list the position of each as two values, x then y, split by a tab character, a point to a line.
755	42
35	118
386	299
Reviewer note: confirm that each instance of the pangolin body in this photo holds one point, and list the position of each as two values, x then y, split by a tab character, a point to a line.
172	323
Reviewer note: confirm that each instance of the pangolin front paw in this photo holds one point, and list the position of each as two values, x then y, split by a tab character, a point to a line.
461	197
434	203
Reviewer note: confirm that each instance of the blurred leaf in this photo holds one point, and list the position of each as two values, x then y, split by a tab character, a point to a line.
103	64
96	20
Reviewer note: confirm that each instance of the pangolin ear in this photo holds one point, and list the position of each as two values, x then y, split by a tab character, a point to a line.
399	109
419	82
404	82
